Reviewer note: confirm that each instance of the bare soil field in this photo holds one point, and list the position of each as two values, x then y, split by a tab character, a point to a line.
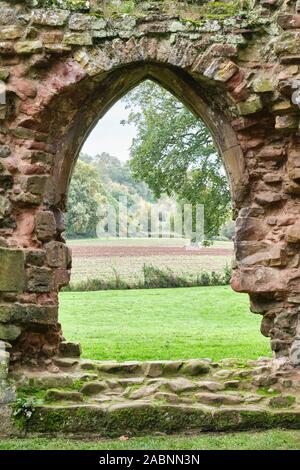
103	258
92	251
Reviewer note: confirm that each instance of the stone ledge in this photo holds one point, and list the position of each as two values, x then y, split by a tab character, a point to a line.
109	398
139	418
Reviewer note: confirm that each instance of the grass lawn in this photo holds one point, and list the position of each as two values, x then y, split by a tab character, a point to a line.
269	440
153	324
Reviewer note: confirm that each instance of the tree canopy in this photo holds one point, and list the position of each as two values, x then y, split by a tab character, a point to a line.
86	193
173	153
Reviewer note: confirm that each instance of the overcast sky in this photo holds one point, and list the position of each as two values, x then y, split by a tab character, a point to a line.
110	136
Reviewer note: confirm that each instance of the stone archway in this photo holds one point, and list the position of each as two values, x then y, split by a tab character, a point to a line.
63	68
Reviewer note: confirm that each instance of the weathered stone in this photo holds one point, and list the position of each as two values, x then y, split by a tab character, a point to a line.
46	381
93	388
78	39
62	66
60	395
293	233
7	48
88	365
144	392
195	367
45	225
6	181
295	352
258	279
168	397
179	385
56	254
80	22
28	47
210	386
289	21
268	197
7	428
68	349
40	314
263	85
65	362
232	384
129	367
10	32
88	377
153	369
34	184
287	122
5	207
5	312
4	150
221	71
50	17
39	279
219	399
35	257
282	401
251	106
12	270
9	332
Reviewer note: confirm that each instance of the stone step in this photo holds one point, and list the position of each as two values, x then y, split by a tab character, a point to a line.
135	418
111	398
192	367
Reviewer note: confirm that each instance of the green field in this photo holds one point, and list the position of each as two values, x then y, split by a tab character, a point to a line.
153	324
268	440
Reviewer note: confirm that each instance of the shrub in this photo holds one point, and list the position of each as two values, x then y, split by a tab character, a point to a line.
153	278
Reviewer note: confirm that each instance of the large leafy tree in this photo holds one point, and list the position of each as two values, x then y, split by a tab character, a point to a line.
174	154
86	194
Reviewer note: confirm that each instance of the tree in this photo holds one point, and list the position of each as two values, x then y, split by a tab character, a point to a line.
86	193
173	153
113	170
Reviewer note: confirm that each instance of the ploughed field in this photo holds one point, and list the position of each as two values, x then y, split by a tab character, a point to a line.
127	257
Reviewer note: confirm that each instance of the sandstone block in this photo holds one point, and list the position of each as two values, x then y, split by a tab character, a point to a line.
56	254
263	85
93	388
50	17
5	312
34	184
6	181
78	39
12	270
9	332
252	105
45	225
289	21
221	71
67	349
293	233
287	122
195	367
4	150
39	279
218	399
32	313
28	47
10	32
63	395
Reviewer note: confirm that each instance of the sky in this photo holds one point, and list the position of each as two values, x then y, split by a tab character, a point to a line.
110	136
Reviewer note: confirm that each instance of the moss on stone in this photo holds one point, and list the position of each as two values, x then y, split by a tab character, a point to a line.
72	5
221	10
267	392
